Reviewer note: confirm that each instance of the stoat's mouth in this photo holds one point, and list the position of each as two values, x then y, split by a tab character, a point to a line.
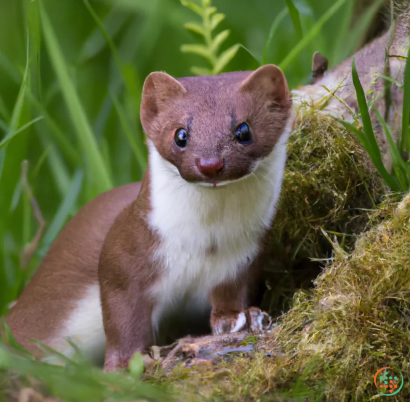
212	183
225	179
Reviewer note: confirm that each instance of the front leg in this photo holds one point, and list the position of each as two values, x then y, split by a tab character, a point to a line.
127	324
125	277
230	312
229	302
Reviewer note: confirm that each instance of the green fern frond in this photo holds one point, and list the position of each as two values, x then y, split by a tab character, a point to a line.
210	50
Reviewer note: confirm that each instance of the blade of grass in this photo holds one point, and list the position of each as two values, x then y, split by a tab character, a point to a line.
17	111
295	17
54	353
105	152
367	137
11	341
27	215
250	53
4	112
103	116
40	162
311	34
11	135
63	212
64	143
387	70
114	22
98	172
56	163
358	31
8	183
128	48
391	79
387	177
9	68
340	43
359	134
127	73
2	157
274	27
398	163
363	107
34	28
83	383
107	38
405	136
134	41
139	155
4	126
132	98
18	106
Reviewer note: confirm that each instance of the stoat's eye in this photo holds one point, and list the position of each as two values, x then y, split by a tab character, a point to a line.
243	134
181	137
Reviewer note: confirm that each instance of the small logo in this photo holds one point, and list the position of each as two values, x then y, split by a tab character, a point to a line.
388	381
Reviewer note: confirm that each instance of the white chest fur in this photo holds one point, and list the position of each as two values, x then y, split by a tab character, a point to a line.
207	235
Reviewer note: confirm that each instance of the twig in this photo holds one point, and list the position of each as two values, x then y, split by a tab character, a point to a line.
31	247
214	341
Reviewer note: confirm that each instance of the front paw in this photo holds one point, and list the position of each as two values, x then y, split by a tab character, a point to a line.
258	320
117	361
225	324
253	319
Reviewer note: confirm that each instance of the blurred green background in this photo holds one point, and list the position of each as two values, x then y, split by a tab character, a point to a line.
70	92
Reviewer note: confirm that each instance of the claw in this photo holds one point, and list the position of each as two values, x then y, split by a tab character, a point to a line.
253	319
258	320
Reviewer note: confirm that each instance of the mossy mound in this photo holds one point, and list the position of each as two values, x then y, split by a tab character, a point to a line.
357	319
336	337
329	184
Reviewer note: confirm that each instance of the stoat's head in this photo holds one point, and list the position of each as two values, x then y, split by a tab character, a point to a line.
216	129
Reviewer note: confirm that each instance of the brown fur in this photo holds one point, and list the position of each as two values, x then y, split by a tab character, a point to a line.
109	241
210	108
68	268
125	276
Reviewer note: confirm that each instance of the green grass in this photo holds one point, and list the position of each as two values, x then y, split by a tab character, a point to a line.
71	75
76	380
399	179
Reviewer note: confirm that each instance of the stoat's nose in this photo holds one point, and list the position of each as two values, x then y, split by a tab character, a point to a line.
209	166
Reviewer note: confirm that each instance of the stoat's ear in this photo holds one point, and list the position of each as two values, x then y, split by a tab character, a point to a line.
268	81
160	90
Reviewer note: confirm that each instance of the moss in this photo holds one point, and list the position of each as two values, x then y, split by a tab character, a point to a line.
246	378
329	184
357	318
335	338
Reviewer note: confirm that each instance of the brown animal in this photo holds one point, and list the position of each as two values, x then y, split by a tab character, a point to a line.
187	241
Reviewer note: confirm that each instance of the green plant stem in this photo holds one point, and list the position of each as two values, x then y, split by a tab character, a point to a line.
274	27
405	136
310	35
99	175
208	38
